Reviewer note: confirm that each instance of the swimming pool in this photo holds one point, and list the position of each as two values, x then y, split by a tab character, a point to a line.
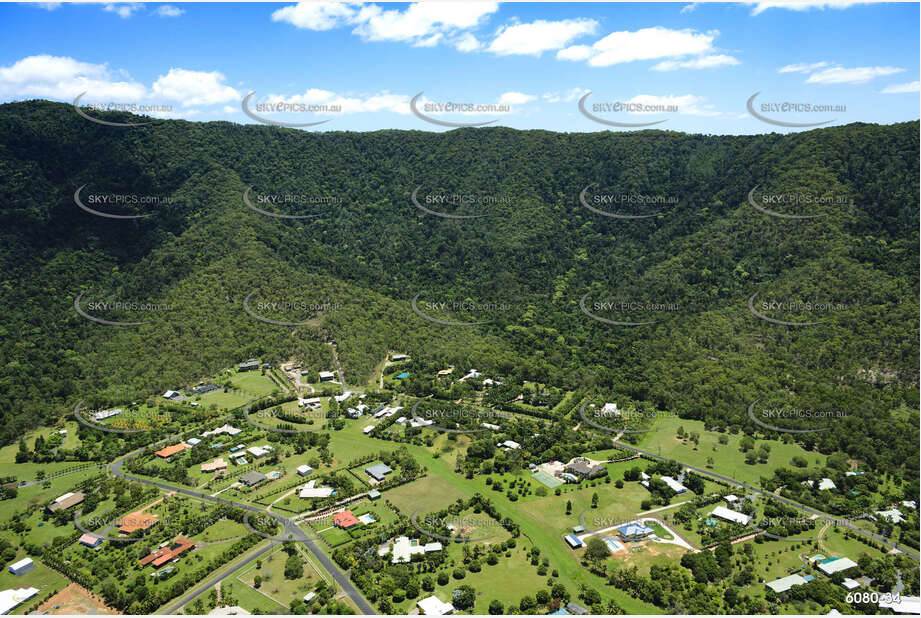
612	544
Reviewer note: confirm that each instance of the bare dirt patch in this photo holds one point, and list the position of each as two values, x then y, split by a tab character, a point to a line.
75	599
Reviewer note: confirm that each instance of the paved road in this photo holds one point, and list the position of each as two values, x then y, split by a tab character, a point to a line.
338	365
787	501
290	528
210	581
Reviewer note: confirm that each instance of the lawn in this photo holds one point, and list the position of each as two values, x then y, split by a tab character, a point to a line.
274	583
251	599
222	530
254	384
36	496
727	458
222	400
659	531
349	443
507	581
41	577
424	495
615	506
648	554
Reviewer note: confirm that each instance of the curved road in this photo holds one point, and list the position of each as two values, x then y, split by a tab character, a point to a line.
290	529
787	501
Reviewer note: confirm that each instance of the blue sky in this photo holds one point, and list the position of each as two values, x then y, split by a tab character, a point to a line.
358	66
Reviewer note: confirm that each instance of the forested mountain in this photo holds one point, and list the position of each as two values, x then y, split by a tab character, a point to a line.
370	251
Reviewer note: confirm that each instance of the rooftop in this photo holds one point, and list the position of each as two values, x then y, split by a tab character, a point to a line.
169	451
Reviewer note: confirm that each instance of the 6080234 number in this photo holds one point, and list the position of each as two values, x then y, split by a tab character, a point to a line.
873	597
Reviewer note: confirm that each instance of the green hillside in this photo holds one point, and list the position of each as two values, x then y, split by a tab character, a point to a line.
370	251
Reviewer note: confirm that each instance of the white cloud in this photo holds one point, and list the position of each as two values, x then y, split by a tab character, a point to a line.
802	67
539	36
315	15
702	62
168	10
231	109
802	5
684	48
385	101
575	53
420	20
689	8
902	88
467	43
516	98
857	75
688	104
570	95
194	87
48	6
124	10
62	77
421	24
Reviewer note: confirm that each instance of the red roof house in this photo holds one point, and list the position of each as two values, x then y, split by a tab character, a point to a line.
165	554
345	520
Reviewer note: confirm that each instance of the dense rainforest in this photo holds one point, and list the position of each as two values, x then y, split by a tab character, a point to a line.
370	266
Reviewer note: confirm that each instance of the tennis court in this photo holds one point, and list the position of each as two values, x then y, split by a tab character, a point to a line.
547	479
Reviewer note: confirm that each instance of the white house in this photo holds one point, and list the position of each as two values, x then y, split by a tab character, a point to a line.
327	376
731	499
98	416
850	584
12	598
834	566
432	606
22	567
905	605
367	429
729	515
785	583
674	485
826	484
310	490
511	444
610	409
304	470
258	452
230	430
893	515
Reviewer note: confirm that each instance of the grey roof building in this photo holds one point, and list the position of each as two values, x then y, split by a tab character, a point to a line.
378	472
252	478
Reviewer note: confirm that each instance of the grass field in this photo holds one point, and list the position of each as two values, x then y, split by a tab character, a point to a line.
614	506
222	400
254	383
41	577
222	530
648	554
252	600
36	497
727	458
507	581
274	582
428	494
